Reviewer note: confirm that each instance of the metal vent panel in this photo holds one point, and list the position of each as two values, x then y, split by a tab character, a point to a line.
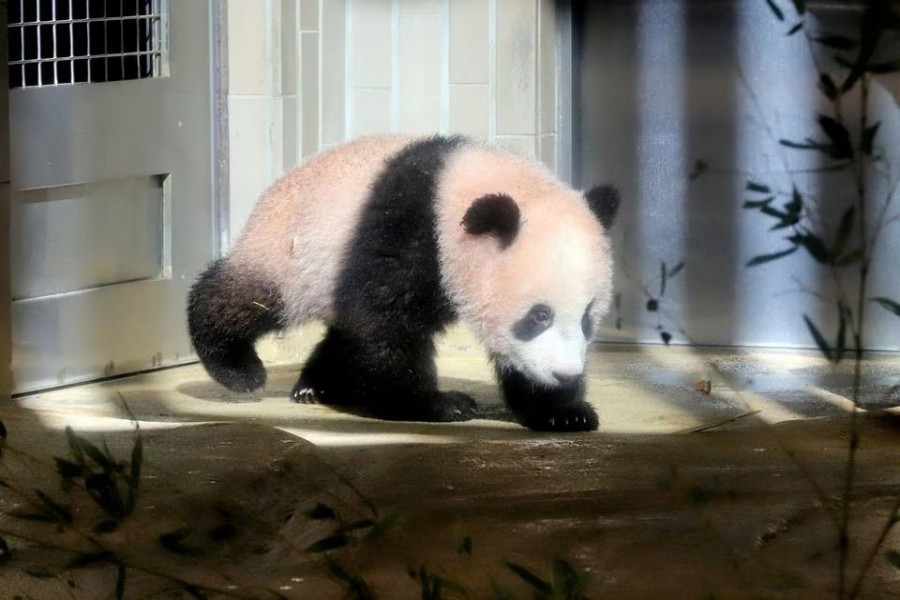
62	42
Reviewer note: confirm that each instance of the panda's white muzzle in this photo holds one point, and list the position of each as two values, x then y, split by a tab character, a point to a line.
554	358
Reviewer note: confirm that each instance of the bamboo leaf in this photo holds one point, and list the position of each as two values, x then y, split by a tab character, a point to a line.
676	269
86	560
62	512
465	546
173	541
74	445
94	453
194	592
662	279
40	517
795	28
844	229
539	585
106	526
773	212
806	145
814	245
67	469
841	146
836	42
321	512
360	524
779	14
379	529
41	572
567	582
134	475
890	66
137	461
819	338
120	583
888	304
753	186
867	143
666	337
104	491
652	305
700	167
223	532
338	571
5	552
795	206
764	258
754	204
840	343
332	542
355	585
788	222
828	87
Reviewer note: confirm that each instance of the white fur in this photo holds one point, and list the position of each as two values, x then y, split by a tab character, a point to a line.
560	257
301	226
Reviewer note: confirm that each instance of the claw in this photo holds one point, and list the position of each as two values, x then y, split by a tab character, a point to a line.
303	396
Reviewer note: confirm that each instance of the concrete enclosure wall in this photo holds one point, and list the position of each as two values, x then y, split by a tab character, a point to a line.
305	75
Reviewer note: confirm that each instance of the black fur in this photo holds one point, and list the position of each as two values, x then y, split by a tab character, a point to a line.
542	408
587	324
538	320
604	203
227	313
497	214
379	351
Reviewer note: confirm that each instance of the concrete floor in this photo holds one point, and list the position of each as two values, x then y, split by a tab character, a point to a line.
681	494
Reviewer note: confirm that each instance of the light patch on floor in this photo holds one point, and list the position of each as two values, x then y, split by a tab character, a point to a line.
635	389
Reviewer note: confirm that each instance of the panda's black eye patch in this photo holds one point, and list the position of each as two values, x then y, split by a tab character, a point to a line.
538	320
587	324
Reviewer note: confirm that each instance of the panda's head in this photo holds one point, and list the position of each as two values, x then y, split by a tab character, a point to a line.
540	278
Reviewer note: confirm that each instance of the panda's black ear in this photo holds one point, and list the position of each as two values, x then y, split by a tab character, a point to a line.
496	214
604	203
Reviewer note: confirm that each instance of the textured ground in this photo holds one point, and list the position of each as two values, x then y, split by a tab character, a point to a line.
681	494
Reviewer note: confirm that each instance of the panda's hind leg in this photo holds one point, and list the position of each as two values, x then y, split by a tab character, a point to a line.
228	310
394	379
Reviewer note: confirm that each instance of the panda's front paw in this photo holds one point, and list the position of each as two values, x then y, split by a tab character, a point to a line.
302	394
579	416
453	406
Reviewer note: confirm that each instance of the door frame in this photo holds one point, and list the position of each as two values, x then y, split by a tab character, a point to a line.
5	209
218	61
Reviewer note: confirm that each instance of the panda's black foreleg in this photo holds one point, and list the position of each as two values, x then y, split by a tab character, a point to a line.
393	377
542	408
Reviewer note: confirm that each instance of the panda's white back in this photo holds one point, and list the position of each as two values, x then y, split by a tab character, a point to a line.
299	230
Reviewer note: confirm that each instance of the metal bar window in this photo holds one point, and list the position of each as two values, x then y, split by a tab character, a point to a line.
59	42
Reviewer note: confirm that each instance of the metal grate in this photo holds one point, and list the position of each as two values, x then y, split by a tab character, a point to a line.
60	42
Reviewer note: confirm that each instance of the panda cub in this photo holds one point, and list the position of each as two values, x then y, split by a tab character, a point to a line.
389	239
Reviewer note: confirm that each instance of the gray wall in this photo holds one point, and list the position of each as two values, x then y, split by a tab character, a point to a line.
664	83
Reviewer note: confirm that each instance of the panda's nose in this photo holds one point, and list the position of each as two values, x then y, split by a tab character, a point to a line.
565	377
